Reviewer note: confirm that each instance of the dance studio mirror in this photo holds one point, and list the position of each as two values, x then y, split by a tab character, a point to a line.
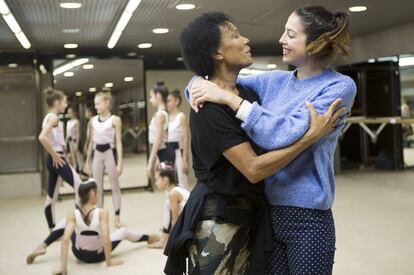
81	78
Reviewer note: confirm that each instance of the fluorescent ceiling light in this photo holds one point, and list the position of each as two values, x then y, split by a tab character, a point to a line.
92	89
388	58
144	45
69	74
406	61
128	79
69	66
78	93
109	84
250	71
71	55
71	30
70	5
122	22
13	65
70	46
372	60
180	59
88	66
160	30
271	66
23	40
185	7
131	54
357	8
4	9
11	21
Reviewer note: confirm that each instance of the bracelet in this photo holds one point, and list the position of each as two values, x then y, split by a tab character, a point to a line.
238	107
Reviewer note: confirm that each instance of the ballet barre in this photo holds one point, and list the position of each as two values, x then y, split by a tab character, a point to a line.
363	121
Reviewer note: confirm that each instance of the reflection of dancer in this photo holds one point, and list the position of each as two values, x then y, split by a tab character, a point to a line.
73	140
105	149
177	198
303	192
178	137
224	227
52	139
88	229
157	135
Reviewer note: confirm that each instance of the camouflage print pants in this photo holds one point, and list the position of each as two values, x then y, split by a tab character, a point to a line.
220	248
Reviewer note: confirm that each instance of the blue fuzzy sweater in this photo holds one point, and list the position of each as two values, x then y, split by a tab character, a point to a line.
282	119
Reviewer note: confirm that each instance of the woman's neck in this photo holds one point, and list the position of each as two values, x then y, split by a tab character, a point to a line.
104	114
174	112
87	206
309	69
225	78
54	111
161	106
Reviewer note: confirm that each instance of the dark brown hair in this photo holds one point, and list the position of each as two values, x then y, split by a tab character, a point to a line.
52	95
176	94
170	174
160	88
327	32
84	190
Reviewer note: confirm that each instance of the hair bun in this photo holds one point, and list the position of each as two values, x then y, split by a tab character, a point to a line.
48	90
160	83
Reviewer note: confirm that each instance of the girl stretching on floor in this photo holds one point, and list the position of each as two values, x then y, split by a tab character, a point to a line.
88	229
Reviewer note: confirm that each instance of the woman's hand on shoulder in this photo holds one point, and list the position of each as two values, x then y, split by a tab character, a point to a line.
202	90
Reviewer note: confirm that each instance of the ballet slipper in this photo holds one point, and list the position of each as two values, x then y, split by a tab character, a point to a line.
32	256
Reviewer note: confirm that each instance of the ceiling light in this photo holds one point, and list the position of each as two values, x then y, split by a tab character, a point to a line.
357	8
122	22
92	89
185	7
69	66
128	79
71	30
13	65
144	45
372	60
70	5
131	54
271	66
180	59
109	85
4	9
160	30
88	66
71	55
406	61
23	40
78	93
42	69
70	46
69	74
11	21
79	62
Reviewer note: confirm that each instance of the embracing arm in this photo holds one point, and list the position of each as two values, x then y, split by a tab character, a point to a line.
256	168
117	123
262	125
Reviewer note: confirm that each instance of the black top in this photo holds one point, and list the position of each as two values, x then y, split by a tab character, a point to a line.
214	129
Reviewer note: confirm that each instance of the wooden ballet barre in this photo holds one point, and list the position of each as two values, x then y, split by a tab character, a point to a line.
362	121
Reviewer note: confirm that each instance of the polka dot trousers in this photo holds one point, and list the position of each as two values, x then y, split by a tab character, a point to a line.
304	242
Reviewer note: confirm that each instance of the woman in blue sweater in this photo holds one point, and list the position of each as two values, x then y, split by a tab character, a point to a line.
301	194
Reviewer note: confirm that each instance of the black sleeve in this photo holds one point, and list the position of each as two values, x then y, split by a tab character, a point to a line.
214	130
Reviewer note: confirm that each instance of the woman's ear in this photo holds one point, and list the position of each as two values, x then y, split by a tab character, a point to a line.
217	56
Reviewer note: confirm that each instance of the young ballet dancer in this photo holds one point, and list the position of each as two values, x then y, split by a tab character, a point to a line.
178	137
158	129
224	227
52	139
105	151
303	192
73	140
88	229
173	206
